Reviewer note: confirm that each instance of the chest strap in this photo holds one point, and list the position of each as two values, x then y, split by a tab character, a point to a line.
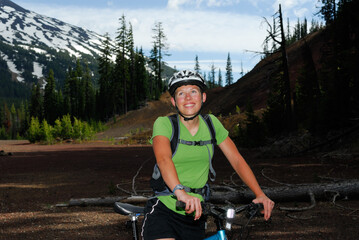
196	143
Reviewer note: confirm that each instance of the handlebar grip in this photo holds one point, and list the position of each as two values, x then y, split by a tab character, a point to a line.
258	205
180	205
254	209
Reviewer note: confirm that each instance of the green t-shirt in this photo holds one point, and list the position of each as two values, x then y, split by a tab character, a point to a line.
191	162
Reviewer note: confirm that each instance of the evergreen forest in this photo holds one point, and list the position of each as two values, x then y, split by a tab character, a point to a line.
125	79
321	100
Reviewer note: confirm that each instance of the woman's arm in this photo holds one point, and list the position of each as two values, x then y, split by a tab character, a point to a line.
163	154
245	173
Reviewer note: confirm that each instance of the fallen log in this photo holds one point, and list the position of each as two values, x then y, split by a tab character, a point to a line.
101	201
294	192
221	194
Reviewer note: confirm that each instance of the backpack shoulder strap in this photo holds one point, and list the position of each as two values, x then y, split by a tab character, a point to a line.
210	126
209	123
175	133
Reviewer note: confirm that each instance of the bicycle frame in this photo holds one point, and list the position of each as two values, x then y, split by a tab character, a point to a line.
220	235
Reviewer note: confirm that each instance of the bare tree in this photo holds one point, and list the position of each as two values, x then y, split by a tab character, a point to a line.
277	35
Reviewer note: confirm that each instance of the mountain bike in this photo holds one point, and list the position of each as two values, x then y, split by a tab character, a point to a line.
223	216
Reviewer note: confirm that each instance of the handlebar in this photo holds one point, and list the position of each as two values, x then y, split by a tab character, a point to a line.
252	209
226	214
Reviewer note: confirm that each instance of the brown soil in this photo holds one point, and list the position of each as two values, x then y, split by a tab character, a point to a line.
36	177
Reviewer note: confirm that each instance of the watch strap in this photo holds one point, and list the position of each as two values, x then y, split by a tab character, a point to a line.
178	187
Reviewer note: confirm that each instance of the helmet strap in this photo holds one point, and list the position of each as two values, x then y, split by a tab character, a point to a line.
190	118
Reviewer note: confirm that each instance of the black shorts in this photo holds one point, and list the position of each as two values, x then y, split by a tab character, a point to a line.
161	222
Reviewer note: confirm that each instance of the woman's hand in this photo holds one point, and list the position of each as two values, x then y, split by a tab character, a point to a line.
193	204
267	204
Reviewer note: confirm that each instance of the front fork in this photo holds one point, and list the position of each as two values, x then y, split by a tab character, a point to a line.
221	233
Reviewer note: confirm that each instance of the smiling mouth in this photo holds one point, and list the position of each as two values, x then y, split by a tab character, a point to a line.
189	105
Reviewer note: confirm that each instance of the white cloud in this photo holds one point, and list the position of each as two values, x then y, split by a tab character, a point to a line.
297	7
191	30
221	3
176	4
301	12
211	31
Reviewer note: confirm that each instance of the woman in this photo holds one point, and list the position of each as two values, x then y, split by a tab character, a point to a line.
189	167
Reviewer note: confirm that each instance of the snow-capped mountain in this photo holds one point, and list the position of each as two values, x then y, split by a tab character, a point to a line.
40	35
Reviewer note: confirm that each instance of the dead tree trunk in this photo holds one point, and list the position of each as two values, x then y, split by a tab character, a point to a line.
292	193
102	201
288	91
286	193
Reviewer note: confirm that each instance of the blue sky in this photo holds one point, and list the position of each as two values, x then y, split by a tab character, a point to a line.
209	29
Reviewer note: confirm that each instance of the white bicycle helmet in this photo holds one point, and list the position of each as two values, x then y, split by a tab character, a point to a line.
186	77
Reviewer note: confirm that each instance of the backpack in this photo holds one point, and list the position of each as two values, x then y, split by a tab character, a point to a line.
157	183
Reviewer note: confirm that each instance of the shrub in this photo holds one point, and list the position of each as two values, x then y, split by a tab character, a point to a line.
67	130
57	129
77	129
62	129
87	131
46	132
3	134
34	132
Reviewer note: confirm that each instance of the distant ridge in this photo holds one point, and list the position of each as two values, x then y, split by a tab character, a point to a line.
13	5
31	44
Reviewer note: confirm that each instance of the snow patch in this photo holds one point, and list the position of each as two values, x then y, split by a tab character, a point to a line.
12	67
38	70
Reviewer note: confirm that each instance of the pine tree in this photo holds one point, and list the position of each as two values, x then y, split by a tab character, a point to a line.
105	102
81	93
304	29
75	93
67	92
133	97
220	81
23	112
213	75
328	11
154	74
36	102
229	75
7	122
197	68
89	93
121	68
14	122
142	84
50	99
160	48
60	104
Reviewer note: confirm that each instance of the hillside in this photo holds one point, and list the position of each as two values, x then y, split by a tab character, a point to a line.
31	44
254	86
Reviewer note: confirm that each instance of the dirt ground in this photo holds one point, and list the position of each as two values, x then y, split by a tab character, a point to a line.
34	178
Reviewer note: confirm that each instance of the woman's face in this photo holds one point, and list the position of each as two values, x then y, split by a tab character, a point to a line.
188	99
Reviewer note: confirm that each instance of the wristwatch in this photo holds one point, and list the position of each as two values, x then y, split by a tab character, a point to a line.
178	187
